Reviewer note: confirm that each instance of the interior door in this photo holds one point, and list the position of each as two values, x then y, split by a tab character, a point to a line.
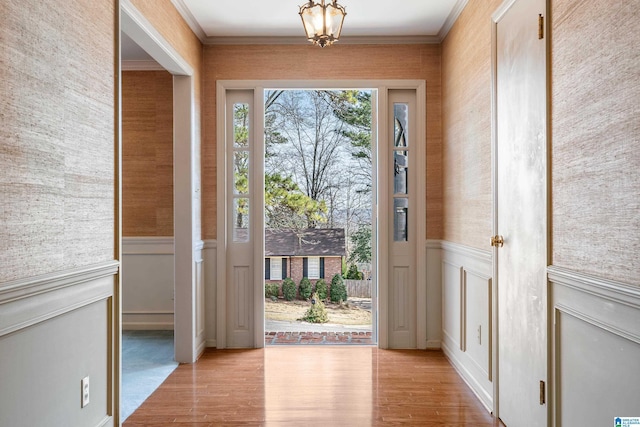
402	234
521	211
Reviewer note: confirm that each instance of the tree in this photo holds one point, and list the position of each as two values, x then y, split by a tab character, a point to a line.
314	145
354	109
287	207
362	245
272	135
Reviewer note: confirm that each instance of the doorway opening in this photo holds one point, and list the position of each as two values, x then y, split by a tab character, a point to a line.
397	233
320	278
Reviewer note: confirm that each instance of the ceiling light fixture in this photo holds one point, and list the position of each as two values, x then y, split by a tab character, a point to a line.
322	23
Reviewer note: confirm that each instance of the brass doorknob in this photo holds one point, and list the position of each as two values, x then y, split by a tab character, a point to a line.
497	241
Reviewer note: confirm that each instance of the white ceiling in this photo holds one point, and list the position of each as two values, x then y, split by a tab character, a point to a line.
229	21
279	18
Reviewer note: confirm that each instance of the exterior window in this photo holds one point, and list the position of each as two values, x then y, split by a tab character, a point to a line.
400	172
276	268
241	167
314	267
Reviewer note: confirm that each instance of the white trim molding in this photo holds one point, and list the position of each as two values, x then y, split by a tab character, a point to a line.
452	18
147	246
295	40
191	21
594	322
26	302
141	65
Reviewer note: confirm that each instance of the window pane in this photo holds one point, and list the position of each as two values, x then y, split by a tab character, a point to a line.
400	219
241	219
241	172
276	268
400	172
240	125
314	267
401	124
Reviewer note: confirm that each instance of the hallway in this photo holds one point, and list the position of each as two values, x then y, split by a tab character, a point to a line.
314	385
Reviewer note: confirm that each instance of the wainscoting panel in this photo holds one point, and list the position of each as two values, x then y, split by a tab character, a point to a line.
452	303
595	349
242	287
200	331
210	257
466	316
63	321
434	294
148	283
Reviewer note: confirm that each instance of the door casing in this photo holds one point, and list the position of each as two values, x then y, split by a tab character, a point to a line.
382	87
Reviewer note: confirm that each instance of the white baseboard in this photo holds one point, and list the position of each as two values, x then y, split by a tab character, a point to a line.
211	343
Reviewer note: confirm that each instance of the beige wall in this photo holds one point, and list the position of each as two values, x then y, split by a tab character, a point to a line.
58	215
57	132
466	126
147	153
170	24
596	138
337	62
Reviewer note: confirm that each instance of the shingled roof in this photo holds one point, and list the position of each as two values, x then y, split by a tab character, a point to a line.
308	242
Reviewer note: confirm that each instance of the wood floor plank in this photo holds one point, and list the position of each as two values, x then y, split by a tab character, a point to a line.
314	386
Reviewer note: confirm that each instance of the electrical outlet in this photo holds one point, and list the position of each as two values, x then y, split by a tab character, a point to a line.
84	386
480	334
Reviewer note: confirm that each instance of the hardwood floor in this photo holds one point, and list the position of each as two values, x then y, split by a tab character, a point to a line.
314	386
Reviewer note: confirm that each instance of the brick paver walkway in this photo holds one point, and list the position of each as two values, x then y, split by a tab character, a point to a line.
350	337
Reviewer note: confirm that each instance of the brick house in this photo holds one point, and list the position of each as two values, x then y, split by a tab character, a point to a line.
315	253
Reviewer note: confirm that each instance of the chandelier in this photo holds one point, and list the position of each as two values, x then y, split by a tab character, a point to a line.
322	22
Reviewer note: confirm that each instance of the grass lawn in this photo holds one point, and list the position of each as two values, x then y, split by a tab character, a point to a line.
291	311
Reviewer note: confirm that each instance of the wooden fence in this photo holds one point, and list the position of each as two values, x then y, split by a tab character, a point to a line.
358	288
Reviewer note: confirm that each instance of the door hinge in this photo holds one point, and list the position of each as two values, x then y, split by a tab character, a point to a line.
542	393
540	26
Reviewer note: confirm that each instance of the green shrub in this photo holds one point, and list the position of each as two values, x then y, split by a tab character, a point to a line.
305	288
289	289
338	289
317	313
271	290
321	289
353	273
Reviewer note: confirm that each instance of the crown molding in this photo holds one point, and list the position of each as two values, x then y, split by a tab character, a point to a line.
452	18
191	21
146	65
295	40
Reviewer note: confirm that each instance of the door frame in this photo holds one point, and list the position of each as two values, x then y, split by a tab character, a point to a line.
382	87
188	311
495	356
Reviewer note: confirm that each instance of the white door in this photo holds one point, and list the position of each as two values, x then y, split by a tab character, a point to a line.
400	147
240	236
521	212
